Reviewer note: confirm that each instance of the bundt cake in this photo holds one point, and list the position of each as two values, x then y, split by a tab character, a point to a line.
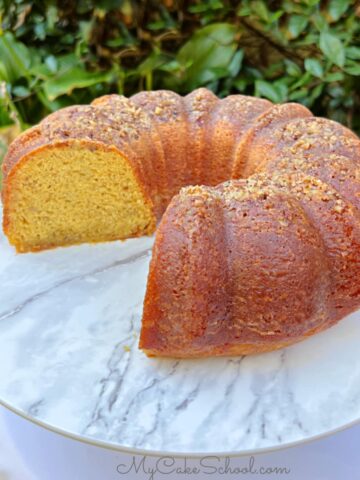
259	246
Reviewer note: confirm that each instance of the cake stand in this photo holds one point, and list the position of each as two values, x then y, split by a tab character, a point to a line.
69	361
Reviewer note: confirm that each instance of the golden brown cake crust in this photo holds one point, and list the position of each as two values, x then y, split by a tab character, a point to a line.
257	264
168	114
198	105
228	121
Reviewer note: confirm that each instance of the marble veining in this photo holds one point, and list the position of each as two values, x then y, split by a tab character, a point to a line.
69	328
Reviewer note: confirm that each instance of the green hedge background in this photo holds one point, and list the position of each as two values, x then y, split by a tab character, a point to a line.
54	54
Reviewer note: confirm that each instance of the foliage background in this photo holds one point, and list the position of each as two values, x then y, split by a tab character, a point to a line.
53	54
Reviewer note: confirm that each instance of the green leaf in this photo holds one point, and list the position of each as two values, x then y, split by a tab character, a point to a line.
236	62
158	25
312	3
14	58
310	38
276	92
299	94
297	24
319	21
219	72
67	39
353	53
61	64
353	68
240	84
243	11
292	68
252	73
3	73
313	66
260	9
116	42
153	61
51	63
334	77
204	7
85	28
211	47
172	66
302	81
316	92
332	48
337	8
20	91
51	16
40	70
74	78
40	31
276	15
335	91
